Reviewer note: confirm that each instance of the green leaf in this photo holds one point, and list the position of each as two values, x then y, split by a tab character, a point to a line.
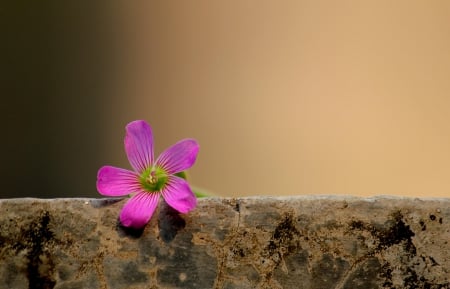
201	193
182	175
198	192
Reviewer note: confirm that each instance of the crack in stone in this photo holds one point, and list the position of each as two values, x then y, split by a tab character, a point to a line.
238	209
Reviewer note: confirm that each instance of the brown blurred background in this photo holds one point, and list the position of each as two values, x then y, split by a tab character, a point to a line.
285	97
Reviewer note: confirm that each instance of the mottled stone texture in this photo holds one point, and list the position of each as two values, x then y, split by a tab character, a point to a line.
300	242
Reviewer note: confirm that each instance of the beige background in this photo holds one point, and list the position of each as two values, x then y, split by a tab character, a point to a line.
296	97
285	97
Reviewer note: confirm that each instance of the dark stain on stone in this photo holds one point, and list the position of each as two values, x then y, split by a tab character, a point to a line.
423	226
440	220
169	222
39	262
396	231
386	275
433	261
128	231
242	246
237	207
432	217
413	280
284	236
357	225
392	232
238	251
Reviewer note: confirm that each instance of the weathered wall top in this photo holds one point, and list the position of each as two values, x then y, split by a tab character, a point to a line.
298	242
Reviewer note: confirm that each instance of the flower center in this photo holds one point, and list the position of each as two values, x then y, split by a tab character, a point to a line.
153	179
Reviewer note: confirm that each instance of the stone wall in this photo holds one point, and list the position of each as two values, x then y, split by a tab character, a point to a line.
296	242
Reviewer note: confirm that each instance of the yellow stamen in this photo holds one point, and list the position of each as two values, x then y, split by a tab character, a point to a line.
152	178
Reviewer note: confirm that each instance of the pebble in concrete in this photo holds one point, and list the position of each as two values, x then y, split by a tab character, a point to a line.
298	242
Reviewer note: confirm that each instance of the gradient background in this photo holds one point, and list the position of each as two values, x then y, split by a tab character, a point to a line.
285	97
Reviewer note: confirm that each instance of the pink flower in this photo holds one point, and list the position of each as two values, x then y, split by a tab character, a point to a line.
151	178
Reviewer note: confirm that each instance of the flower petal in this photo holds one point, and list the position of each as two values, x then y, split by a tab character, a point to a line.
139	209
179	195
179	157
112	181
139	145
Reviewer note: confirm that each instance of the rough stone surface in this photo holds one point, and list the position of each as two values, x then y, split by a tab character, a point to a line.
300	242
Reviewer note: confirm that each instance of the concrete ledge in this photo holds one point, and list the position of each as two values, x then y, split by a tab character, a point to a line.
300	242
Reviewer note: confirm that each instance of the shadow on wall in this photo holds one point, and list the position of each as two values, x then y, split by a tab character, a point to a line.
60	72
